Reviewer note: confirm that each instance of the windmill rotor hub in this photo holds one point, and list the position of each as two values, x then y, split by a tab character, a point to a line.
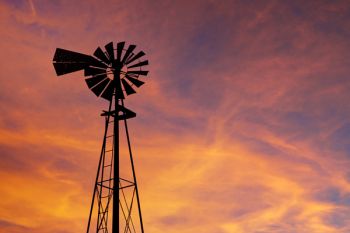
110	73
123	70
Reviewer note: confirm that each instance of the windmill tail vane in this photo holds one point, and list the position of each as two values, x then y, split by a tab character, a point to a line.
112	74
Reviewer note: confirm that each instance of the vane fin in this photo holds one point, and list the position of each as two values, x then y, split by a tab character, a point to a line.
66	68
63	55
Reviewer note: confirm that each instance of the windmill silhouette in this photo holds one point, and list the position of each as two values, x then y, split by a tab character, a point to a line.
111	74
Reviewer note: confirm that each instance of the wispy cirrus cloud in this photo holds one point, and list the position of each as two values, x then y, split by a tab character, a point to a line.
242	125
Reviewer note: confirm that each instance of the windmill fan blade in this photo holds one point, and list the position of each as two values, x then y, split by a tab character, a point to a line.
91	82
128	52
100	87
110	50
133	58
143	63
139	72
101	55
128	89
134	81
93	71
120	47
108	92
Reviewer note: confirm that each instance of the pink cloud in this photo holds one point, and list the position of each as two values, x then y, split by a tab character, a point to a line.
240	124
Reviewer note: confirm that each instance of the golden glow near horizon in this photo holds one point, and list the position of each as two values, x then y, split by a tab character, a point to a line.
242	125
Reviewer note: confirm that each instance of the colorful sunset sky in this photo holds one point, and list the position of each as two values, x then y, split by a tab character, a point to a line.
243	124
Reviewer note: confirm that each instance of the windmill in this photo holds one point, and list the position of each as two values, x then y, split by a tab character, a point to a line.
112	74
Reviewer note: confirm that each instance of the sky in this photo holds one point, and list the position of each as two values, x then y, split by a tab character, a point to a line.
243	124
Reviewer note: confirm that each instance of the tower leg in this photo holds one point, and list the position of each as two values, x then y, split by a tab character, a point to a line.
115	218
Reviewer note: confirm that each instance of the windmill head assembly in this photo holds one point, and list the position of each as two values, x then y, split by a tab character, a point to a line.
111	73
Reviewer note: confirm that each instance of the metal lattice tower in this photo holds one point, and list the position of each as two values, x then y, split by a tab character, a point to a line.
111	74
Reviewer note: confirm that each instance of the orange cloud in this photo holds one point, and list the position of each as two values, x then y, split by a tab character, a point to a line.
241	127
